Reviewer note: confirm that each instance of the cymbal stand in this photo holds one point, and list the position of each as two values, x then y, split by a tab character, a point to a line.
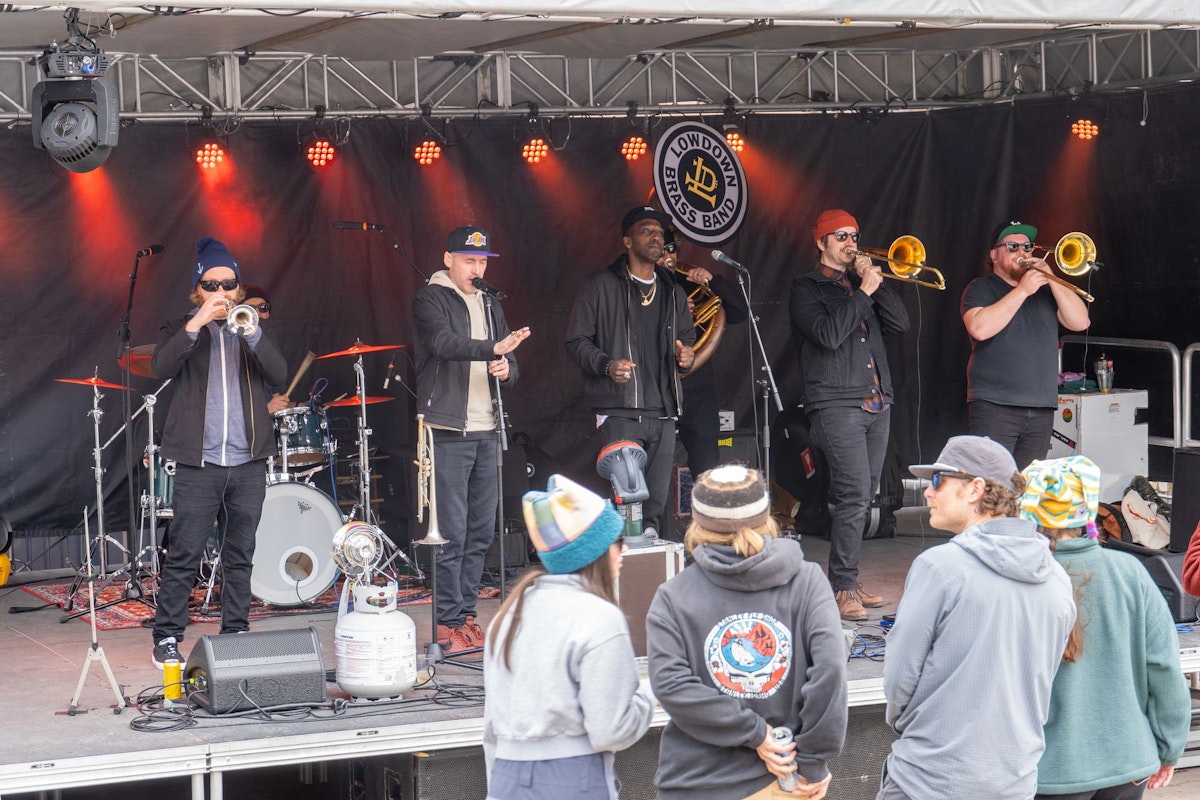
102	538
364	506
95	651
769	388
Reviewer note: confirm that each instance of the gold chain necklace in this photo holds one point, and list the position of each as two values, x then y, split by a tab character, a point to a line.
647	297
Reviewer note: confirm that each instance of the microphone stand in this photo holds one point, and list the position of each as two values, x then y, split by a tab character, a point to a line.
501	444
769	388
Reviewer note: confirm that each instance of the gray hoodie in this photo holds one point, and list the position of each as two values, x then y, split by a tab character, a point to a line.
979	634
737	646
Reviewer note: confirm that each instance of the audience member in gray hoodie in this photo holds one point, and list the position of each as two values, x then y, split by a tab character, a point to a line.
745	640
561	683
979	633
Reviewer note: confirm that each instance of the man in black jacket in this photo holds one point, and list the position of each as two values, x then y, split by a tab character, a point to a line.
219	434
463	347
840	312
631	333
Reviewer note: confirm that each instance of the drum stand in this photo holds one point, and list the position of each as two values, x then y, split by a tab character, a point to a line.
95	651
102	538
363	506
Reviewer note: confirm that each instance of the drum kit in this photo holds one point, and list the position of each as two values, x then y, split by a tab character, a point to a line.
293	562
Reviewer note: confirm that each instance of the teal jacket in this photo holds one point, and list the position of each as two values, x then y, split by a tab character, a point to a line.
1122	709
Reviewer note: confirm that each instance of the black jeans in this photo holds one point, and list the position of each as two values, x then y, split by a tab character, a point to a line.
657	438
854	442
200	493
467	495
1024	432
700	427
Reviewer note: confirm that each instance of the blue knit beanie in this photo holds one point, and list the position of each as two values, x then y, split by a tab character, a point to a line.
570	527
211	253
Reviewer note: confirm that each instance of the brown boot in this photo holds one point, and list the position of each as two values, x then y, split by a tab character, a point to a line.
474	632
849	606
443	636
867	599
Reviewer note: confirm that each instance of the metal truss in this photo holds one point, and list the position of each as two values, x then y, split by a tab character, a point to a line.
290	85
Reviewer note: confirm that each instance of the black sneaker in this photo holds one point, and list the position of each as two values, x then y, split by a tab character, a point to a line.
165	651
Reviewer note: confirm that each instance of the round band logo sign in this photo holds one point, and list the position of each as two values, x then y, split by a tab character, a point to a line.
700	183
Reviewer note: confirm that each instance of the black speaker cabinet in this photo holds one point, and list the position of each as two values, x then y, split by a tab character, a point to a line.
1185	497
240	671
1167	573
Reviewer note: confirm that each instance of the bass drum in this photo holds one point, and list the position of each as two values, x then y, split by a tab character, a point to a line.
293	563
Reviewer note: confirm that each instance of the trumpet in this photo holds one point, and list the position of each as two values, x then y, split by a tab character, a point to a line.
1075	254
906	260
241	320
426	487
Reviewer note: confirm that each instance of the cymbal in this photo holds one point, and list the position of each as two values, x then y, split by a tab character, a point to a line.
359	347
353	401
94	382
139	360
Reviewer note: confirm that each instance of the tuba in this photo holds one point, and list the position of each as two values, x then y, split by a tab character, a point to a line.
707	314
426	489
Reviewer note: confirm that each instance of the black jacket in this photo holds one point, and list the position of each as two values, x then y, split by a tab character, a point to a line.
444	351
834	358
600	332
185	361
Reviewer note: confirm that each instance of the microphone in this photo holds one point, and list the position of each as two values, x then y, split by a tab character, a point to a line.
724	259
387	379
149	251
359	226
487	288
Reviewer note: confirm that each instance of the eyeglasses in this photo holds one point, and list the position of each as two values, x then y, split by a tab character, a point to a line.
1015	246
229	284
841	236
938	478
263	308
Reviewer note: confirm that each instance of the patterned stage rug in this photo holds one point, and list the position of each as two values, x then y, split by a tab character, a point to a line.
131	613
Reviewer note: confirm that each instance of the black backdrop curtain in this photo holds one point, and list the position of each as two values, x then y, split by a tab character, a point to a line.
68	243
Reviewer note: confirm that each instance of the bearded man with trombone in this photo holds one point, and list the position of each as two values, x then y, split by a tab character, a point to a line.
840	312
1012	316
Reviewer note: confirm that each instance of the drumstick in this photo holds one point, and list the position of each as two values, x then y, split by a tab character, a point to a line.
334	400
308	359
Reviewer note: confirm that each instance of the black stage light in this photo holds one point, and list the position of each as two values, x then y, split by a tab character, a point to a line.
75	110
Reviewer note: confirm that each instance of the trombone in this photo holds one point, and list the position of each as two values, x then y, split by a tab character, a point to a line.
906	260
1075	254
426	488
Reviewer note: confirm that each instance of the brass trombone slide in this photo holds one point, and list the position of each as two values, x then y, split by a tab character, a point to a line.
905	260
1075	255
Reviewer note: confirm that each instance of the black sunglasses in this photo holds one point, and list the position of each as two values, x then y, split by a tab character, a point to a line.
841	236
229	284
265	308
1014	246
938	478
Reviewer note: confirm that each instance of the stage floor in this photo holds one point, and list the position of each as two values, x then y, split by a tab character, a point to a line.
41	660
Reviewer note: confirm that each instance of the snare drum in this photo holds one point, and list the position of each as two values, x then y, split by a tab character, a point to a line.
293	561
164	483
301	436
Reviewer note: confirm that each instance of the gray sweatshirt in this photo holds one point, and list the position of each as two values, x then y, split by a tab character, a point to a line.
979	634
572	689
737	646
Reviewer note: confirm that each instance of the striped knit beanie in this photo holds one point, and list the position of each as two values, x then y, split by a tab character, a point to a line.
570	526
730	497
1062	493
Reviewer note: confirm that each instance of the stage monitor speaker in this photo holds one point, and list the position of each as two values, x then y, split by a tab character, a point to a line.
1185	498
259	669
1167	573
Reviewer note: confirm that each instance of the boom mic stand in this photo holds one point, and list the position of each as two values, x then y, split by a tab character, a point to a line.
769	388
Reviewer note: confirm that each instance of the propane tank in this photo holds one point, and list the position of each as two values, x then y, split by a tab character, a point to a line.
376	645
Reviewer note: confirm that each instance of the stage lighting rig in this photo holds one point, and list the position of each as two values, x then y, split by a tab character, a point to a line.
75	109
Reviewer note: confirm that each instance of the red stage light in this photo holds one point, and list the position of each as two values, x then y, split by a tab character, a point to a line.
209	156
427	152
1085	129
633	148
535	151
735	141
320	153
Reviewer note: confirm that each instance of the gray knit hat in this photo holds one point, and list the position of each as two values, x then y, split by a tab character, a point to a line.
730	497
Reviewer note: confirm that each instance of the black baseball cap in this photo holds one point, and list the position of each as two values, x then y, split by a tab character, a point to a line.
469	239
643	212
